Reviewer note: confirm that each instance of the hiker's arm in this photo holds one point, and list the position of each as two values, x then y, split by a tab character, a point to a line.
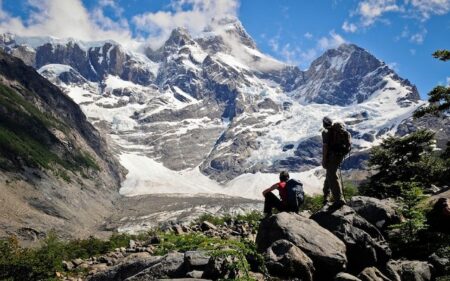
273	187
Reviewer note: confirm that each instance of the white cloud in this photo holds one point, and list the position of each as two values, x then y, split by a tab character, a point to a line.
448	81
274	44
308	35
349	27
64	19
418	37
70	18
371	10
394	66
295	55
428	8
158	25
333	41
412	51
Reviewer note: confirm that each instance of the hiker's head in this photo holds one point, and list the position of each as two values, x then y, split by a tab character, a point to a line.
284	176
327	122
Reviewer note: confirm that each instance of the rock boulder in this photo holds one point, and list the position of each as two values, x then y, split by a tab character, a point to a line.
325	250
365	245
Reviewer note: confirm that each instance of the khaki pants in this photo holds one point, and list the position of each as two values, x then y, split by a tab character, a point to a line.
332	183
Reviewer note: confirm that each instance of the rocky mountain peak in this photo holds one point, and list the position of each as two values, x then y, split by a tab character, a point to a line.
233	27
348	74
179	37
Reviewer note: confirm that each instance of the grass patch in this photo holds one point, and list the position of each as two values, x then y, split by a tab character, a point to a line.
26	139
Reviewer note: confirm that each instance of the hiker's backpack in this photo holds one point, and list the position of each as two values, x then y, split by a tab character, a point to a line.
340	139
295	195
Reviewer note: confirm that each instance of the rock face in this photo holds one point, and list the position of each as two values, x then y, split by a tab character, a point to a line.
372	274
365	244
348	70
379	213
320	245
342	276
286	260
216	102
63	175
410	270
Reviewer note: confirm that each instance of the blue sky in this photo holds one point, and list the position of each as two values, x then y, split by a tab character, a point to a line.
403	33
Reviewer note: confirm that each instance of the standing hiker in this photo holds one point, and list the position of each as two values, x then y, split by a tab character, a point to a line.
291	194
336	144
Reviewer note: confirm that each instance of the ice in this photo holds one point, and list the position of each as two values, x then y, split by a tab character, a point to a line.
146	176
56	69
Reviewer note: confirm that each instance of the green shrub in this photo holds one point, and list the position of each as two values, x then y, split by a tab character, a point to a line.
407	232
41	263
312	203
241	250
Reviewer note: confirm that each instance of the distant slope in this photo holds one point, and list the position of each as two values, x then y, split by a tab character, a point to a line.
55	171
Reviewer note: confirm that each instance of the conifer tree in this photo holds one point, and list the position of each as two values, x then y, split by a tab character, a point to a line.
439	97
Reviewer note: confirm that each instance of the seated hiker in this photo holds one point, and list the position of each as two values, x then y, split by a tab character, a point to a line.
291	194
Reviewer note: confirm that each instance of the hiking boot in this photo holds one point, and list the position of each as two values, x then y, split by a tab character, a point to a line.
339	203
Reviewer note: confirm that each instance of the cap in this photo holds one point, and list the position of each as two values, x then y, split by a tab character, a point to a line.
327	121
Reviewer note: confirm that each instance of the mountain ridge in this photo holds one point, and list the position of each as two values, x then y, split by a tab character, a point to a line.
214	102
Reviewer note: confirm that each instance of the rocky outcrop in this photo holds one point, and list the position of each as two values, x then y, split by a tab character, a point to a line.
320	245
378	212
350	71
63	174
342	276
286	260
365	245
372	274
409	270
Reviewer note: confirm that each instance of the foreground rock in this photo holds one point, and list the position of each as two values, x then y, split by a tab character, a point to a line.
378	212
372	274
365	245
342	276
409	270
134	264
321	246
286	260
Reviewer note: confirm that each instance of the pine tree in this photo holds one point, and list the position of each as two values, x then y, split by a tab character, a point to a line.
439	97
443	55
409	159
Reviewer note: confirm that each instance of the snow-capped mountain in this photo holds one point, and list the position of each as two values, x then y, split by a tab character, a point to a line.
213	109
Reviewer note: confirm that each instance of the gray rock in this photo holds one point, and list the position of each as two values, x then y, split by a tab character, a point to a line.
221	268
77	262
196	260
439	263
206	225
342	276
365	244
372	274
284	259
170	266
375	211
320	245
132	265
194	274
68	265
409	270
